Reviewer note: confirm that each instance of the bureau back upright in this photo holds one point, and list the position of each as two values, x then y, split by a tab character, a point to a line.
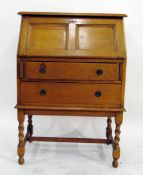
71	64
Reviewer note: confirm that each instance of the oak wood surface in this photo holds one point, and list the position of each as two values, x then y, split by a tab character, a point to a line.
74	59
51	36
75	140
106	15
70	93
74	107
66	113
21	148
116	147
72	71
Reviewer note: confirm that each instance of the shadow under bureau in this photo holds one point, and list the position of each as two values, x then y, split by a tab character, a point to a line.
71	64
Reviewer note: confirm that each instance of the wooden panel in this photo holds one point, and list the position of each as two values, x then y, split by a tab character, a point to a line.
96	37
43	37
69	93
100	37
40	36
72	71
80	37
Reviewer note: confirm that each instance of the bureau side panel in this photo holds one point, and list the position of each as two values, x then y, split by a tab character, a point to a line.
123	66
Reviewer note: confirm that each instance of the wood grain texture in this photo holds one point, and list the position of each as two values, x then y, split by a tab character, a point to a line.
47	36
95	37
70	93
72	71
71	37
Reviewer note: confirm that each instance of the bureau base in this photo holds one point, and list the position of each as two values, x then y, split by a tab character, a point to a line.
114	141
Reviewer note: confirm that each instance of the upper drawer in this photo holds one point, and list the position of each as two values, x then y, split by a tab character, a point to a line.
72	71
65	36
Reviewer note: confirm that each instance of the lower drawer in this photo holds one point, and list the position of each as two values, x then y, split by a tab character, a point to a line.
48	93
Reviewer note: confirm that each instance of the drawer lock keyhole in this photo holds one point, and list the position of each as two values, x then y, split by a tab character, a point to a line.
42	69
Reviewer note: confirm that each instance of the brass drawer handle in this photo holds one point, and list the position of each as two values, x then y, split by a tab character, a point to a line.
43	92
99	71
98	93
42	69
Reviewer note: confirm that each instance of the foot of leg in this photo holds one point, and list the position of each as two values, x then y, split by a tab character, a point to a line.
115	163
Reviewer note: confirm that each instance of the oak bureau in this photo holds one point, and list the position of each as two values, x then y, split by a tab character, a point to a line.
71	64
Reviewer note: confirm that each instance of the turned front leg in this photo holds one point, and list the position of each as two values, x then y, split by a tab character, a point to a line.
30	128
21	145
116	147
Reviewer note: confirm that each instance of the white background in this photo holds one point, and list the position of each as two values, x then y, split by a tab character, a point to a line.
65	158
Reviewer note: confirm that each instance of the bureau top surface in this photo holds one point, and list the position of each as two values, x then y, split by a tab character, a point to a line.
105	15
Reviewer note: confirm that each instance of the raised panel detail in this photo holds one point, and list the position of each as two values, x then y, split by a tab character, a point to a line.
44	37
96	37
50	36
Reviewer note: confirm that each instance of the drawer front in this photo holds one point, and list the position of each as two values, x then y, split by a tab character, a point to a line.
44	93
72	71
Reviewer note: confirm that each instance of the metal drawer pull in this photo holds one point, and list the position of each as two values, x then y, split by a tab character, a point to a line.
98	93
42	92
42	69
99	71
